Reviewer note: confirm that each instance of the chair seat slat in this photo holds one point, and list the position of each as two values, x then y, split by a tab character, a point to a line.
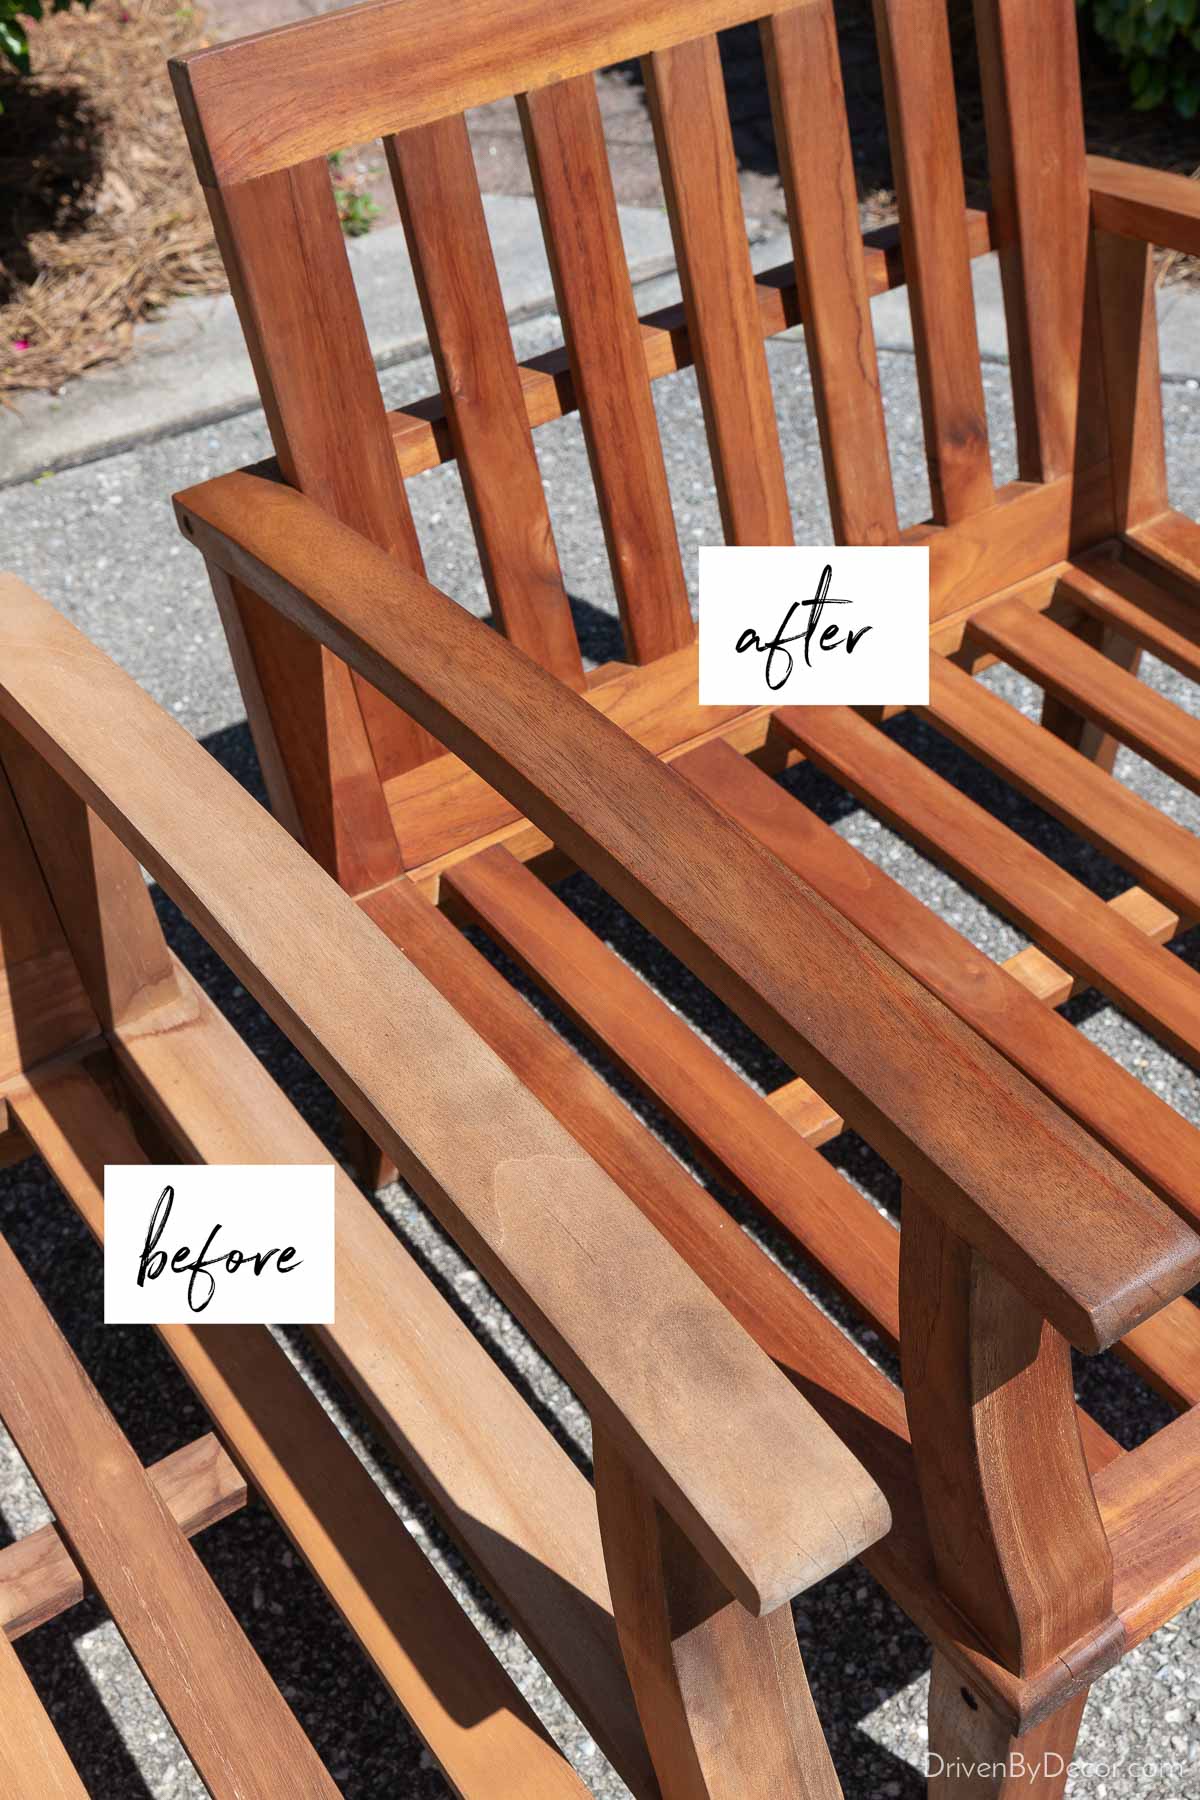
1064	918
229	1714
1090	684
1158	852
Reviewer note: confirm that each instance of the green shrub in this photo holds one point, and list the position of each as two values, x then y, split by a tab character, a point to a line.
1158	42
14	45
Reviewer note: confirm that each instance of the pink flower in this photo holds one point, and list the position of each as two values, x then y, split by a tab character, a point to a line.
20	343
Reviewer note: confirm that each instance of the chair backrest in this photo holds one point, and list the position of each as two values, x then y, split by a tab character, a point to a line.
263	113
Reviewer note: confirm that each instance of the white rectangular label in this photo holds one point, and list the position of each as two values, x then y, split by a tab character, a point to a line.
814	626
218	1244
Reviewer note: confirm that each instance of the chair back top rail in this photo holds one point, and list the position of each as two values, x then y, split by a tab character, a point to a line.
1010	1172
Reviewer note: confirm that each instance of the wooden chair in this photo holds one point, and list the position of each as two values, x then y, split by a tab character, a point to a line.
720	1493
438	769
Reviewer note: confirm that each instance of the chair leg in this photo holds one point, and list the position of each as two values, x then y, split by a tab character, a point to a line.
368	1164
1090	740
973	1755
722	1696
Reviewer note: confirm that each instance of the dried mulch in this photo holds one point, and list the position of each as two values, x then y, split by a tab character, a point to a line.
101	218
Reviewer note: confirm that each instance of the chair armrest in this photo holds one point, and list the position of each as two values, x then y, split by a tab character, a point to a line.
1148	204
1018	1179
769	1496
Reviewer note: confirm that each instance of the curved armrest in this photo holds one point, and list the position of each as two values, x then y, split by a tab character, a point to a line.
769	1496
1018	1179
1148	204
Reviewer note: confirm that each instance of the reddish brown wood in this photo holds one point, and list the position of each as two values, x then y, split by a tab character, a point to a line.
565	143
808	107
434	177
1015	1529
914	47
686	92
1029	61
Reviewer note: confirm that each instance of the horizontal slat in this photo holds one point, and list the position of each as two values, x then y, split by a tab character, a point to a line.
421	430
1043	977
230	1716
1062	916
737	1132
33	1763
1161	855
389	63
39	1578
1150	204
1087	682
1162	623
728	909
430	1655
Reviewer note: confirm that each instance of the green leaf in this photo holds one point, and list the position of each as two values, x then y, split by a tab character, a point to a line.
1187	100
14	45
1183	12
1154	93
1139	75
1155	10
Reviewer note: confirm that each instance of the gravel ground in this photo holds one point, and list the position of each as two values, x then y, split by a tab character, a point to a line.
100	541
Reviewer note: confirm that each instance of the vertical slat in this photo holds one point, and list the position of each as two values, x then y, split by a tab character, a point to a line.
1029	58
433	172
813	142
686	92
570	170
918	78
1132	378
288	270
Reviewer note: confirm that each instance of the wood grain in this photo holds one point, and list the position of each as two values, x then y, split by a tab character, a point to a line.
817	169
568	161
433	173
39	1578
609	1301
723	1697
914	52
1147	204
1029	64
226	1709
1090	684
685	90
1160	854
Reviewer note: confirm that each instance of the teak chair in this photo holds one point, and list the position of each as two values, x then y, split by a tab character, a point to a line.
719	1492
438	768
